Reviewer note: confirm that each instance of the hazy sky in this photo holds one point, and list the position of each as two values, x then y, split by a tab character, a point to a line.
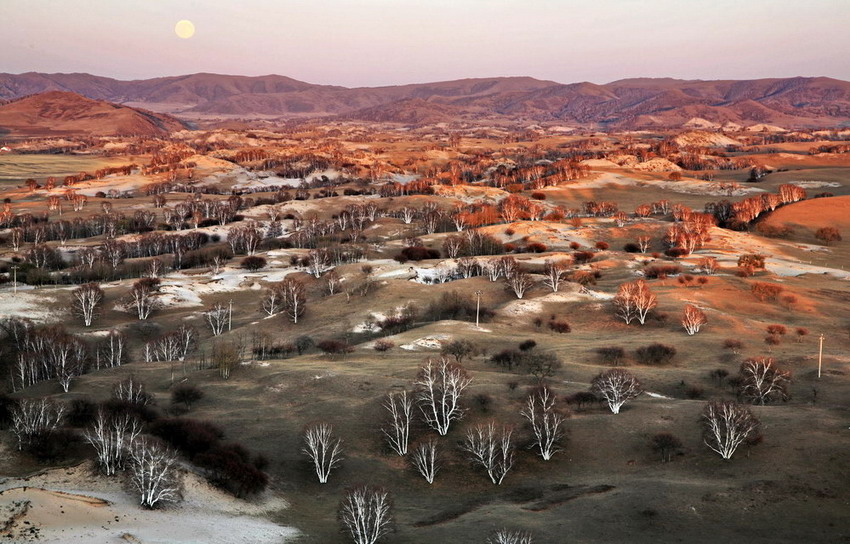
380	42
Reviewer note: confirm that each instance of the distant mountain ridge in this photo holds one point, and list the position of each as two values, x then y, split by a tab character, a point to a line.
628	103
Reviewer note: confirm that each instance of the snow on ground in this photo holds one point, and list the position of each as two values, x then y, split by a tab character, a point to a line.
434	341
69	505
404	179
730	244
569	293
29	303
685	186
183	290
810	184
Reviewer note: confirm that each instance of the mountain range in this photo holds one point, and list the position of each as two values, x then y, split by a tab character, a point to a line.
624	104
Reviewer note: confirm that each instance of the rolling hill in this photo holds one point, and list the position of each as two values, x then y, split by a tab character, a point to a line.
58	113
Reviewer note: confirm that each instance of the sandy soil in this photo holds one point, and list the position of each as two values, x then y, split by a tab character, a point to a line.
73	505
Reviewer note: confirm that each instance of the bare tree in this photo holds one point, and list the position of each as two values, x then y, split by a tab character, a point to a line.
293	298
33	417
617	386
218	318
153	472
333	281
85	300
141	298
272	301
492	449
519	282
554	273
545	420
111	351
693	318
507	536
111	436
726	425
439	387
318	261
323	449
366	513
397	430
426	460
763	382
66	356
131	390
708	265
634	300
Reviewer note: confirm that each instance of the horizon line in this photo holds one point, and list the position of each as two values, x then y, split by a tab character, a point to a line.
424	82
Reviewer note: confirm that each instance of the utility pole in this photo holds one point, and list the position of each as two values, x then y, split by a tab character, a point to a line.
477	307
15	280
230	316
820	353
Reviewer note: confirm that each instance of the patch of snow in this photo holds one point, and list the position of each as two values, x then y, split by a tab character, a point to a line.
434	341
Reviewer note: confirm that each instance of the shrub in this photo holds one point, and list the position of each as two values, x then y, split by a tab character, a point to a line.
190	436
613	355
789	300
776	329
560	327
52	445
231	468
801	332
458	306
694	392
334	347
745	271
774	231
459	349
631	247
828	235
537	195
383	345
753	260
676	252
81	413
661	271
582	399
527	345
574	245
187	395
253	262
582	257
665	444
507	358
417	253
509	232
655	354
602	245
766	291
536	247
303	343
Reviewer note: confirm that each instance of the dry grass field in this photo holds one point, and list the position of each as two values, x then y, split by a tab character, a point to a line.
606	485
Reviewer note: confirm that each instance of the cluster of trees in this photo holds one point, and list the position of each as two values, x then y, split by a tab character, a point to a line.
128	436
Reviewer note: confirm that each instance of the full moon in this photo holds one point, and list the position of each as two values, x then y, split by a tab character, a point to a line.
185	29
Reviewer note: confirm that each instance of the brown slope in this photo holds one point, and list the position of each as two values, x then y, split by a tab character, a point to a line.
57	113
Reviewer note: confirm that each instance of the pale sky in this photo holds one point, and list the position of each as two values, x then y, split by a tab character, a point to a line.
386	42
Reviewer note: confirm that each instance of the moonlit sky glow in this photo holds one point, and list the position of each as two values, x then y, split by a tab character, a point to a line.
386	42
